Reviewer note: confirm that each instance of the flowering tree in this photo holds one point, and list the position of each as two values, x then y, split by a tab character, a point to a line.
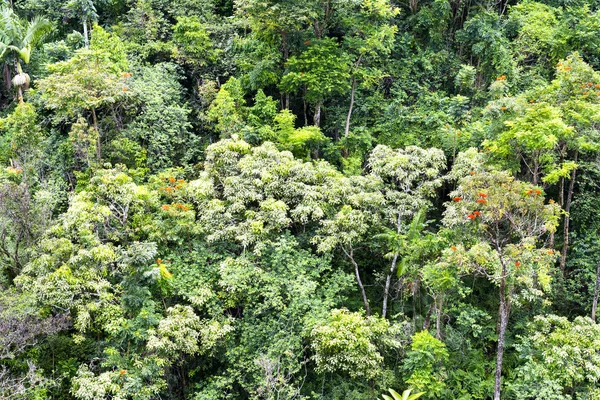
501	221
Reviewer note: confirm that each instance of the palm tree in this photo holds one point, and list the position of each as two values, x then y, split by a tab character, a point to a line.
17	39
405	395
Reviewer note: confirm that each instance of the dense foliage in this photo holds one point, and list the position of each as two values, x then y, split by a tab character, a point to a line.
282	199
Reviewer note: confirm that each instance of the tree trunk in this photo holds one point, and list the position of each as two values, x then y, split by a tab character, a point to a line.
19	87
388	279
350	254
388	282
596	290
438	317
503	319
317	116
86	39
347	129
563	256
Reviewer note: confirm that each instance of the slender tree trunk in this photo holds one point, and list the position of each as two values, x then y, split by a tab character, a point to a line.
503	316
347	129
350	254
596	290
86	39
388	279
563	256
317	116
388	282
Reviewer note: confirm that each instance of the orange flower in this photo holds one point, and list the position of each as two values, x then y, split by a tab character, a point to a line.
590	84
585	93
482	201
532	101
597	86
481	194
180	180
472	173
501	78
159	261
307	42
503	108
568	68
551	201
550	251
478	213
453	248
165	207
471	216
529	191
122	372
559	64
538	192
517	264
168	189
457	198
124	89
178	187
171	179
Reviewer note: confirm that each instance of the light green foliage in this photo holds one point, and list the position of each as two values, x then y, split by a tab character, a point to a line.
193	42
352	344
425	363
322	70
22	140
406	395
559	359
228	109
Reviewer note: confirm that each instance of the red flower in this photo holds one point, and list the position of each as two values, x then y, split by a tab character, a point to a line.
471	216
477	213
482	195
482	201
517	264
457	198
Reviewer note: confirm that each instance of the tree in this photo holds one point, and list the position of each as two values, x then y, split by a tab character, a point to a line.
18	37
321	71
559	359
92	81
369	36
502	220
410	177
